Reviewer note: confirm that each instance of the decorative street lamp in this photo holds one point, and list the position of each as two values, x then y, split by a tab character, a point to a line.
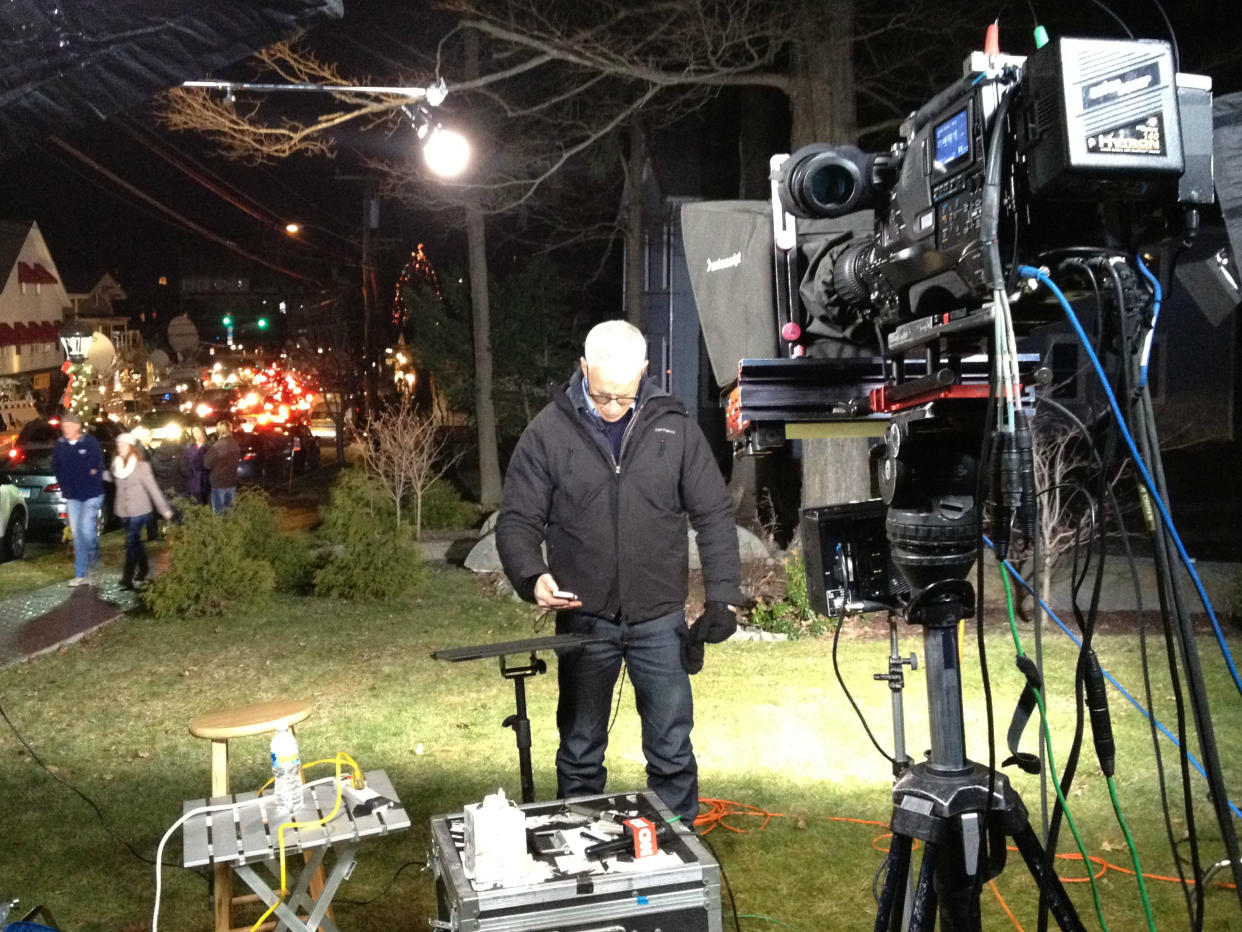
75	337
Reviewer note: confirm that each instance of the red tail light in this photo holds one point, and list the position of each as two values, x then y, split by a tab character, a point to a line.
16	455
54	487
249	456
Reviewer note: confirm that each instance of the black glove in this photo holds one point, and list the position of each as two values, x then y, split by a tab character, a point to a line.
716	624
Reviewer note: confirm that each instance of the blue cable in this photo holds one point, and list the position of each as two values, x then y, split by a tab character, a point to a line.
1157	295
1121	689
1027	271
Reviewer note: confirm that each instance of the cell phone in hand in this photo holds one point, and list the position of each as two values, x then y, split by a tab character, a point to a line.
562	594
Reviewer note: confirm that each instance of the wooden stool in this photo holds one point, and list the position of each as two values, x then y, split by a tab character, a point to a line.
218	727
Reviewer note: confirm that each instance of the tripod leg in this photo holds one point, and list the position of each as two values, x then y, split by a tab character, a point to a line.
923	915
893	893
1059	903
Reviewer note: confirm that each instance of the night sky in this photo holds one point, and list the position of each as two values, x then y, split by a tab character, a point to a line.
92	226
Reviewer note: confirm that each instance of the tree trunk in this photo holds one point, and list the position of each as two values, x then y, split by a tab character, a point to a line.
822	95
822	108
635	167
481	330
481	326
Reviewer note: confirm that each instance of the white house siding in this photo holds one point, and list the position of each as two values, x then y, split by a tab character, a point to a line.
32	304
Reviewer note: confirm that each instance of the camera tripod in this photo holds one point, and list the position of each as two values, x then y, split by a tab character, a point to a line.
961	811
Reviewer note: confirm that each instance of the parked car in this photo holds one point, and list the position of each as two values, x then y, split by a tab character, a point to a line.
29	466
276	453
13	519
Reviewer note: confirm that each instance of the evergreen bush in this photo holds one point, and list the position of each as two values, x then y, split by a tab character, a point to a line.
209	570
370	557
443	508
218	563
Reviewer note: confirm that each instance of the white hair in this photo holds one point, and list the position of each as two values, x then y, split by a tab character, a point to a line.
615	344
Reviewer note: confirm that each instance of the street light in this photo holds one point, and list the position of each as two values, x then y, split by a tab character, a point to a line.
75	338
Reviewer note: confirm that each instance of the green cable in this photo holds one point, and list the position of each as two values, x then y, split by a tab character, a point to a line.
1052	764
765	919
1134	858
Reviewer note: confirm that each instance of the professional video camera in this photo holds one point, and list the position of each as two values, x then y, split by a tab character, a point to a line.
862	257
890	289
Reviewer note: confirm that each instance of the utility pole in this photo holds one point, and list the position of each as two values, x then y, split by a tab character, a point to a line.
368	298
370	221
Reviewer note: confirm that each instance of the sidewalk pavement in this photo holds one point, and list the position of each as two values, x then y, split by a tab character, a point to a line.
45	619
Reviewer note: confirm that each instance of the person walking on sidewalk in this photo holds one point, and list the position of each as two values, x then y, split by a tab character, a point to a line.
78	464
137	496
221	461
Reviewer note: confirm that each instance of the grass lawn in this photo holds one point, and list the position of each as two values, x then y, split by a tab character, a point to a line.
774	731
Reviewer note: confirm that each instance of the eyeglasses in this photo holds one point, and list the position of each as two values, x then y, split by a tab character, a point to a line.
623	400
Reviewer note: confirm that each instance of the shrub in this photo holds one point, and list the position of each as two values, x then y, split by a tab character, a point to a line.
370	558
791	615
218	563
444	508
209	570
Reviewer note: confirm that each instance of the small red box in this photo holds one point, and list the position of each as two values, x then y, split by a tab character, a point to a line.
645	841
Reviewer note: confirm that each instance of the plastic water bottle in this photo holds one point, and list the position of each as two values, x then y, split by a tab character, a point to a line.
286	771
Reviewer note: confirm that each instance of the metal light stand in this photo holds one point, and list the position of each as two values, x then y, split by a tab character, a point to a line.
895	677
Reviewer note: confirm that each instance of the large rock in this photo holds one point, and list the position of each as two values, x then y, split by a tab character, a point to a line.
483	557
751	548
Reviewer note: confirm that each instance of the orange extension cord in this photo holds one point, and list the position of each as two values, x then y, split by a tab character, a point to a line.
718	811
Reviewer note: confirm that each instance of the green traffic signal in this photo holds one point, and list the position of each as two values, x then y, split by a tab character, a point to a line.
227	321
262	323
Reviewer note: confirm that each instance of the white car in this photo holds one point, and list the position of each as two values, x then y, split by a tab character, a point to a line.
13	520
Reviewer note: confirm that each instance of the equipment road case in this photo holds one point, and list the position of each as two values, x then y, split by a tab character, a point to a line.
677	890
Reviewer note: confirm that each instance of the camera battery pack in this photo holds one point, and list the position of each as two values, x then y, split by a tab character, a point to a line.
1098	113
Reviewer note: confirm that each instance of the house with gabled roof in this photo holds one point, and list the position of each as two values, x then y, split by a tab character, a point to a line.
33	302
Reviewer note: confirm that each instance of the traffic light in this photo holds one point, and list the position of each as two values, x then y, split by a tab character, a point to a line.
226	320
262	323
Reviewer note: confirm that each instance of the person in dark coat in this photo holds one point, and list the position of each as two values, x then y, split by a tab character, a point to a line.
610	476
193	472
221	461
78	463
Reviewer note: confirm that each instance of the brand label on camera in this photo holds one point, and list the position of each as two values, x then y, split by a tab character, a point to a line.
645	841
1117	86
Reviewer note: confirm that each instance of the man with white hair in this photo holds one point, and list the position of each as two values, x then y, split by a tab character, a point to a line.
607	475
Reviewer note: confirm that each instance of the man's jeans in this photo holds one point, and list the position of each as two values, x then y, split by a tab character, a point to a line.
652	653
83	524
222	499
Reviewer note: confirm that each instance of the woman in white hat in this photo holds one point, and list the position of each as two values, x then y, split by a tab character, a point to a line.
137	495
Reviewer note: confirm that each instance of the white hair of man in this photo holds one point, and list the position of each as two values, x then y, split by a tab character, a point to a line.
615	346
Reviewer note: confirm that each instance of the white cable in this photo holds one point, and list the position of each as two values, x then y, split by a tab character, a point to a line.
201	810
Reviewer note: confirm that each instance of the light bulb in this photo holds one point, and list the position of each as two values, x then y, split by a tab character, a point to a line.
447	153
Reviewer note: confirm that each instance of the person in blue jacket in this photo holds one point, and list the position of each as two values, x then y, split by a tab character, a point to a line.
78	463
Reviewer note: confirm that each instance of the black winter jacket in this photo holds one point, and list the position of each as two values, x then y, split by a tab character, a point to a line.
616	533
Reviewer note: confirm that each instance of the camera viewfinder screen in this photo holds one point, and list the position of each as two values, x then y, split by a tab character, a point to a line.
953	139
